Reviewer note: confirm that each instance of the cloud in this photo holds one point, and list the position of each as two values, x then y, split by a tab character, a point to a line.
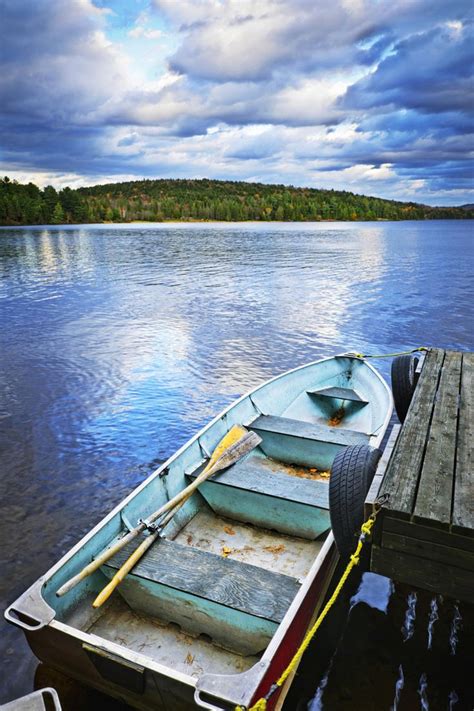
430	72
340	93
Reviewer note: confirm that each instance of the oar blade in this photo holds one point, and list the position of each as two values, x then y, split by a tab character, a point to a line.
238	450
235	433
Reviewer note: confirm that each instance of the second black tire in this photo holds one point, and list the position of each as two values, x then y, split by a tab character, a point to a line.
351	475
404	379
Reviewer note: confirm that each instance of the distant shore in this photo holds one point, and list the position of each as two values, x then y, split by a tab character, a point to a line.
202	201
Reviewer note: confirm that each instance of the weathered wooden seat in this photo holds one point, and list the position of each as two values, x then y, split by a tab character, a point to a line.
307	430
308	444
206	593
270	495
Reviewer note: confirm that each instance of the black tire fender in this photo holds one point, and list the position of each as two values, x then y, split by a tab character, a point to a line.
404	379
351	475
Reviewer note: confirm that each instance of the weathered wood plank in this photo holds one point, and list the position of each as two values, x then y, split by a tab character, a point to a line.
463	505
376	488
307	430
427	574
403	471
257	475
435	489
228	582
428	550
428	533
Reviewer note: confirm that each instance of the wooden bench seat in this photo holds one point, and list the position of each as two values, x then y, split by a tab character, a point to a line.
265	493
228	582
307	430
309	444
206	593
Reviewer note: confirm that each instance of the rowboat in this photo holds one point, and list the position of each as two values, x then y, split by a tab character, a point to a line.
215	609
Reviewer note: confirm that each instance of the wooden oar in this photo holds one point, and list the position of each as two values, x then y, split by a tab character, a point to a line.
247	442
236	435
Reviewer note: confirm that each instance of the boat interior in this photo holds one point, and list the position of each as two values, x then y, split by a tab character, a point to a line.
209	595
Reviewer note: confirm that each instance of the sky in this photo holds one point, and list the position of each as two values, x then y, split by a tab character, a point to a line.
371	96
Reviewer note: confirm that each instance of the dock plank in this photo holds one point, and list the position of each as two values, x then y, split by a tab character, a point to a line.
435	490
429	550
428	533
463	504
434	576
401	480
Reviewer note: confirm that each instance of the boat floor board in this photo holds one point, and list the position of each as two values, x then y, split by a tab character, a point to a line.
166	644
218	579
307	430
273	551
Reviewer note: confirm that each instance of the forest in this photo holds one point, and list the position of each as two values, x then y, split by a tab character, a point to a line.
201	200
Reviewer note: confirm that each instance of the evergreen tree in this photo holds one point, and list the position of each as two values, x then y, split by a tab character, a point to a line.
58	214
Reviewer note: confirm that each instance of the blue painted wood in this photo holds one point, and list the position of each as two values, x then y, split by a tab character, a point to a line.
248	588
290	517
306	430
254	474
303	443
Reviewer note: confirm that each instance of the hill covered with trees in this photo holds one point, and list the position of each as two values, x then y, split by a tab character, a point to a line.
194	200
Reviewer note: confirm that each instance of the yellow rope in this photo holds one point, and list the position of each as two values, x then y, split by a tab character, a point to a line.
365	531
391	355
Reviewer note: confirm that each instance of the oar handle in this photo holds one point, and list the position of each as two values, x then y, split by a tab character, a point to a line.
234	445
124	570
170	505
100	560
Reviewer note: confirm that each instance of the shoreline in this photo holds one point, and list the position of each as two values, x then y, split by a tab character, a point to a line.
234	222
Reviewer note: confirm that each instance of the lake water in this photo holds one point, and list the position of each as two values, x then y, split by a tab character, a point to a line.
119	342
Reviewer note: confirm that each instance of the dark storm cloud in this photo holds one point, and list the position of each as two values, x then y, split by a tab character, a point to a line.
331	86
429	72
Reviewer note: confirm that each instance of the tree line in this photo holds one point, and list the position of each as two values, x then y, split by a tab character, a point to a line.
188	200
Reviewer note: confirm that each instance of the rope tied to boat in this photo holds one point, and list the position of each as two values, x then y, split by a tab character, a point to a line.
365	532
420	349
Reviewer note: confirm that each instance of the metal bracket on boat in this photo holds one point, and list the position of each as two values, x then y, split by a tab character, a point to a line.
232	689
204	450
149	526
30	611
255	406
163	473
125	521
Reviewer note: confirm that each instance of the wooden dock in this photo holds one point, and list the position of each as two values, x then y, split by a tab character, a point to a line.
425	533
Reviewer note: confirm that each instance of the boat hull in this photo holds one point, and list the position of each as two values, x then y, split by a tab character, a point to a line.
80	649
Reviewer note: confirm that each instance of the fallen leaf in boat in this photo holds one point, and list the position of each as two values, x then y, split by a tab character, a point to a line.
337	417
275	549
189	539
189	658
326	475
313	470
226	551
229	530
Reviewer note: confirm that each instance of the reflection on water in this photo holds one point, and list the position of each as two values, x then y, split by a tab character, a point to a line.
410	617
377	666
375	591
456	626
118	342
423	693
433	618
398	688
